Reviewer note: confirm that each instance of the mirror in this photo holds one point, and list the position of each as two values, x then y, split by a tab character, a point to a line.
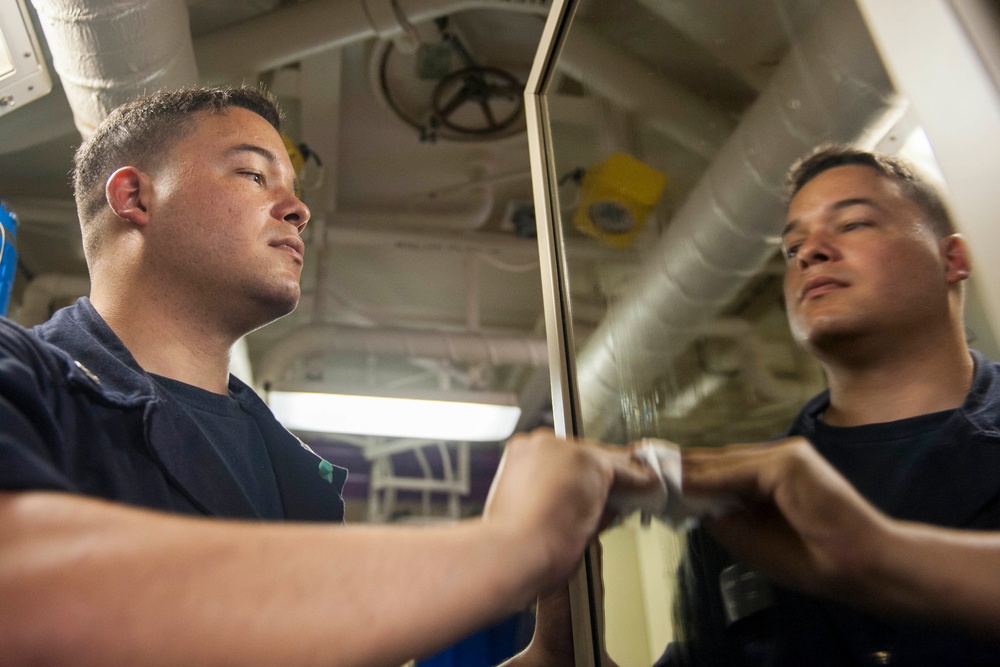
664	130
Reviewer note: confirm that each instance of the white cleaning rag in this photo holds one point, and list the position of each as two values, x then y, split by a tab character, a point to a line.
668	502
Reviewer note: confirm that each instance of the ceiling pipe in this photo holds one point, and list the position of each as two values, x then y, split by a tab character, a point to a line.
687	119
744	35
427	216
830	86
109	52
315	26
329	339
483	242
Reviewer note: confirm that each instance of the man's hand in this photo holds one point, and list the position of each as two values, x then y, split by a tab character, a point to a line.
802	523
552	492
808	528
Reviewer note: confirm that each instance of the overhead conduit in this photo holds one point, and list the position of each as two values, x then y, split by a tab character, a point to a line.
830	86
458	347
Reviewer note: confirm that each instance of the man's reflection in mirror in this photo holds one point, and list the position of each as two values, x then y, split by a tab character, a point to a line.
874	289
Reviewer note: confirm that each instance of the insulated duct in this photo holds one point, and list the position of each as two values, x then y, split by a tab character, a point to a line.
459	347
109	52
830	86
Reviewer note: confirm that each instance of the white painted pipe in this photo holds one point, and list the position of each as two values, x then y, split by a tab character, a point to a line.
426	216
459	347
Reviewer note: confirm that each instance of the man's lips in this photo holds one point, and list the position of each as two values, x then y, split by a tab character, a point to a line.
819	286
291	244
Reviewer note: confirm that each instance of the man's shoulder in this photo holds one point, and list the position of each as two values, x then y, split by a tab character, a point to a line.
25	344
27	359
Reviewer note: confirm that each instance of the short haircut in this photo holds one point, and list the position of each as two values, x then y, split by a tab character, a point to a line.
914	187
141	132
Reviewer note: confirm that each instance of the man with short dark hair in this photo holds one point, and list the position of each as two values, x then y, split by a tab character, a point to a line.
119	414
874	290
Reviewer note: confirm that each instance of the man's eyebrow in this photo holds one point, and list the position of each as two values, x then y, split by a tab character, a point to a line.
261	151
253	148
842	204
789	228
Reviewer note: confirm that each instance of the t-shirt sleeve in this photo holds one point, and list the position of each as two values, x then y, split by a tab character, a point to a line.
29	433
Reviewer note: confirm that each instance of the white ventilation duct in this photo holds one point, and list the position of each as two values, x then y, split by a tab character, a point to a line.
830	86
458	347
108	52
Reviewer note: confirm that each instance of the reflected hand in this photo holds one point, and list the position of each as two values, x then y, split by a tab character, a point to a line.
802	523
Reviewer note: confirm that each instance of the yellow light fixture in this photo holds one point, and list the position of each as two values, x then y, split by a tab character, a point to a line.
617	196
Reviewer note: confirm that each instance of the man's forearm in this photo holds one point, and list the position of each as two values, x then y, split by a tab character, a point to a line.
86	581
938	575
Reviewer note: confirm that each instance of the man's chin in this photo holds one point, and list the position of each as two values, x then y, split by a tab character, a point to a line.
273	306
284	306
833	340
822	330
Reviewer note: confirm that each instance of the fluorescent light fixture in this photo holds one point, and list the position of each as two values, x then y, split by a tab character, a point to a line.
464	417
23	75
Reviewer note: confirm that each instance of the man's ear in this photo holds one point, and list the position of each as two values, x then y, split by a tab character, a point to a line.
958	264
127	191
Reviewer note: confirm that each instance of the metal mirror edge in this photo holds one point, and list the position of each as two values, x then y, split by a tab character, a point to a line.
557	330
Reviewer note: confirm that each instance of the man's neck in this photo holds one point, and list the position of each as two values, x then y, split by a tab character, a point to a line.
168	340
901	381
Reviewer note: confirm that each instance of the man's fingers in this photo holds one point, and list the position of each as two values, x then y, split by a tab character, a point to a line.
631	475
731	472
747	470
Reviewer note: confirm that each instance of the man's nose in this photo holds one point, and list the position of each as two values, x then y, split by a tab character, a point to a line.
295	212
817	247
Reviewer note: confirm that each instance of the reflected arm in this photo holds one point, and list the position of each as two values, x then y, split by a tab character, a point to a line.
808	528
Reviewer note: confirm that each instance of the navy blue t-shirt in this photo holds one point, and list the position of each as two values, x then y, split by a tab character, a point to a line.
235	436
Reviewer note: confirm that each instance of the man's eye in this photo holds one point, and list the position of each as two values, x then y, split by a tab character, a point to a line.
791	251
850	226
255	176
